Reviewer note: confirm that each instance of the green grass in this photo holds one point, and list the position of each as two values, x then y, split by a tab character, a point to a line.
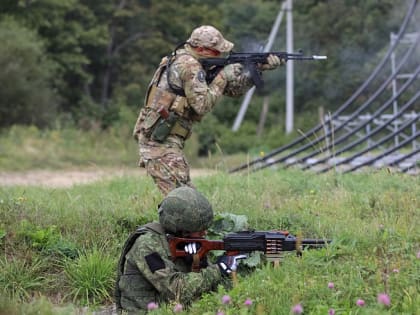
90	277
28	148
373	218
20	277
25	148
60	246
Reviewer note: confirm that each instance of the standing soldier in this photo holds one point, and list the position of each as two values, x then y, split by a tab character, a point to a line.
178	96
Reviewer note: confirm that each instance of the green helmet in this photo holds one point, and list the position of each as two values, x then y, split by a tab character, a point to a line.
184	209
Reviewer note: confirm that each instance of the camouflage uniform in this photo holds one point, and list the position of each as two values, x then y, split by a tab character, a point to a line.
146	271
186	93
150	275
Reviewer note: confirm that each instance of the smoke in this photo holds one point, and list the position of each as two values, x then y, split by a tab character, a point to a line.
250	44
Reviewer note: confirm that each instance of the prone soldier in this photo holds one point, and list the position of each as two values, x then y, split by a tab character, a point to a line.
148	273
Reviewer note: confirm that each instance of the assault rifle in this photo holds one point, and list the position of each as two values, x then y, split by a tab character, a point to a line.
250	61
271	243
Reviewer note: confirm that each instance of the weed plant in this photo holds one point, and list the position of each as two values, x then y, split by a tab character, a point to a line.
371	267
90	277
20	277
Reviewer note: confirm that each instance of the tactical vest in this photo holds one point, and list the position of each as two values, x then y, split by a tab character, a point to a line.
164	96
155	227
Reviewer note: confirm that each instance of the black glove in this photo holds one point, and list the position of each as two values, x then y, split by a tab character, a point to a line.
227	264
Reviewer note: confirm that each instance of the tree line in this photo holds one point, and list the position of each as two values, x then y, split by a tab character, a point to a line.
81	61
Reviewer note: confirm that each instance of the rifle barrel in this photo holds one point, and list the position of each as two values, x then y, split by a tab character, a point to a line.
314	57
313	241
319	57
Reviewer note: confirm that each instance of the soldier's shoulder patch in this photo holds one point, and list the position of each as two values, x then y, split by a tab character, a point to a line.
201	76
155	262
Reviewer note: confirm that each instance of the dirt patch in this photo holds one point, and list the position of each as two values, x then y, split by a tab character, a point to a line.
68	178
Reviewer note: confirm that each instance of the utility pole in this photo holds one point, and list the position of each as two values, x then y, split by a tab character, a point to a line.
287	6
250	93
289	70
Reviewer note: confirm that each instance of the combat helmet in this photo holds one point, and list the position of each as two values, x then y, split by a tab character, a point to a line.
209	37
185	209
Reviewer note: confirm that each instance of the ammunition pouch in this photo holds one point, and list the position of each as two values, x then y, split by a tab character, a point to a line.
150	121
181	129
157	127
159	97
149	118
163	128
173	125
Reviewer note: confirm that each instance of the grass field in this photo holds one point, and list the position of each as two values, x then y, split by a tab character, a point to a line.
60	245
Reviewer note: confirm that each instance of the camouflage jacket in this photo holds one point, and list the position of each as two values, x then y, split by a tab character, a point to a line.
187	77
150	274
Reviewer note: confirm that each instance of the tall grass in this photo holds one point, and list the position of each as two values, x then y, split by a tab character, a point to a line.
372	217
90	277
24	148
27	148
21	278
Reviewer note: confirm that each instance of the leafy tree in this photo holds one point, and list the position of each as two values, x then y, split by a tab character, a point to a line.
65	26
26	97
163	25
105	52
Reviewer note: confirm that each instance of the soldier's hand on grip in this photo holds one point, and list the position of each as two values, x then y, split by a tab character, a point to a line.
227	264
230	73
233	71
272	63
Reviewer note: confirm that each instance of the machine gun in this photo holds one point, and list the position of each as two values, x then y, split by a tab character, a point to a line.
271	243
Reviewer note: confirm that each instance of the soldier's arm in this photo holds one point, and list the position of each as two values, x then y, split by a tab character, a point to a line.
202	97
153	262
239	81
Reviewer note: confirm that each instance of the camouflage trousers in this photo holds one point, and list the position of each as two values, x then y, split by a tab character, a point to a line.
169	171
